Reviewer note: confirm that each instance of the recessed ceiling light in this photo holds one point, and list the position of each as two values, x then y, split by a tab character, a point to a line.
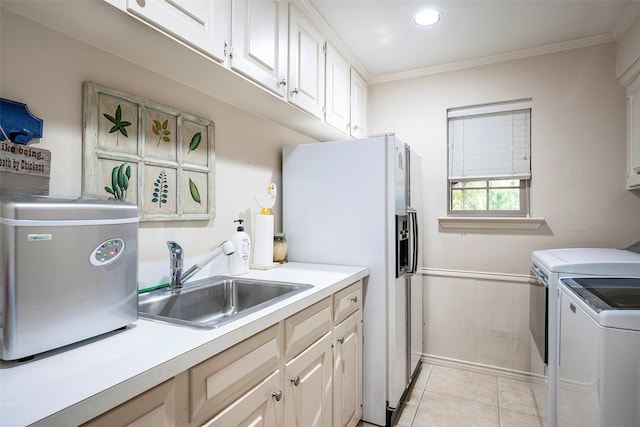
427	17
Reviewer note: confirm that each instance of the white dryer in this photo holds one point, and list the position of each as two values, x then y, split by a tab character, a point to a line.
548	267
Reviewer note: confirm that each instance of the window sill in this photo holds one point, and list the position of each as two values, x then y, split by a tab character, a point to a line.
493	223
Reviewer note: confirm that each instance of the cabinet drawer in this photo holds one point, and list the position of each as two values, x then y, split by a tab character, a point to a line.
153	408
304	328
215	383
259	407
347	301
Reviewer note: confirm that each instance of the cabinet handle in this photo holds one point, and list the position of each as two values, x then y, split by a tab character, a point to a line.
277	395
353	299
295	380
282	82
572	307
340	340
295	91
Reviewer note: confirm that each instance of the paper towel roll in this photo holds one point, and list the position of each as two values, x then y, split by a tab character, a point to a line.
263	240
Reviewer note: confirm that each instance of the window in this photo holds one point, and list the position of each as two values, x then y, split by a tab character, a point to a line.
490	159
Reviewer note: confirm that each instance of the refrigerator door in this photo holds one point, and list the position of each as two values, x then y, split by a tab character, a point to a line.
416	316
398	340
337	209
399	291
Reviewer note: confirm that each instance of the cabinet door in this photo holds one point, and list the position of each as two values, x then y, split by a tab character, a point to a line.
308	391
359	91
259	42
337	87
262	406
347	374
306	64
203	24
153	408
633	134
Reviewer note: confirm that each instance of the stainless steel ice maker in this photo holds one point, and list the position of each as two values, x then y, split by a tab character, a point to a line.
69	271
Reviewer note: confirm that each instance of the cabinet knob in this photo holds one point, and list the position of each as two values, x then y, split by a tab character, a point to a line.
282	82
295	380
340	340
277	395
295	91
353	299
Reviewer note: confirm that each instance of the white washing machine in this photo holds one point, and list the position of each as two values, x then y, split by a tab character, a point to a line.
599	364
548	267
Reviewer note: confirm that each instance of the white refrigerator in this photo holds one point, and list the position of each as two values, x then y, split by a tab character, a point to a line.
357	202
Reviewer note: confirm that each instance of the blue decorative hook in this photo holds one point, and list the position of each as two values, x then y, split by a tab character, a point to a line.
17	124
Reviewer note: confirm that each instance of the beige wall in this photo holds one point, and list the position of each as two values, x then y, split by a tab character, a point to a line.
46	69
578	154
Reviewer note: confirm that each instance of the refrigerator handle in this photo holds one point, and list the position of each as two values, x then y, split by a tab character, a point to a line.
413	215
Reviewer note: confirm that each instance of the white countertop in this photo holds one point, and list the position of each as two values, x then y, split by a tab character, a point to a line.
78	382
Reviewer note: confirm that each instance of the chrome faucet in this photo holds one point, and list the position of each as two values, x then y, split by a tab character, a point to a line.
176	255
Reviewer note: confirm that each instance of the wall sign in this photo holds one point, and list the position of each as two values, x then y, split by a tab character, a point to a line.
149	154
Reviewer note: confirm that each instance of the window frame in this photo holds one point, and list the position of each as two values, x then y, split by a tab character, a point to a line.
523	195
525	183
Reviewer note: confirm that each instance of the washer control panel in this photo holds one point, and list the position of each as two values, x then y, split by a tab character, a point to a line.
107	252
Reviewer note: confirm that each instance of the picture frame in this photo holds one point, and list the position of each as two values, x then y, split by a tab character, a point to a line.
148	154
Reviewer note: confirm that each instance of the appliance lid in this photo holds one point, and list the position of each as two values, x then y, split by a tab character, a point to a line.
21	210
614	301
589	261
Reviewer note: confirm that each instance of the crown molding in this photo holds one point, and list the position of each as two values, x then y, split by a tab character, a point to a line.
493	59
626	19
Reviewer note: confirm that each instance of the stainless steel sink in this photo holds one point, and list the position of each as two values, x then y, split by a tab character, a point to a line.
215	301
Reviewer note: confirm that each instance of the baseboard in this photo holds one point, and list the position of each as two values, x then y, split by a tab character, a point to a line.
483	369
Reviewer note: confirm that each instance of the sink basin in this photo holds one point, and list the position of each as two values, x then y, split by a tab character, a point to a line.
215	301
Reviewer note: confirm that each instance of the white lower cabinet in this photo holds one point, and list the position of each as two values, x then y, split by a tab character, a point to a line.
238	380
347	372
308	393
153	408
305	371
347	357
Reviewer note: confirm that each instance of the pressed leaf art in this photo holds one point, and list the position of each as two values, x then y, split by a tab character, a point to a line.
161	131
120	176
160	189
195	141
118	124
195	194
153	155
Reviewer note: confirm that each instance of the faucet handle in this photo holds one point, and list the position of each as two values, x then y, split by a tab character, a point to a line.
175	253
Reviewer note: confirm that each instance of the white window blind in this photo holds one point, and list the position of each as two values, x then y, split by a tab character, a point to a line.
490	142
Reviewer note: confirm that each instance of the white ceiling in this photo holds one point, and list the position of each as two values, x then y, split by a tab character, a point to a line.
387	44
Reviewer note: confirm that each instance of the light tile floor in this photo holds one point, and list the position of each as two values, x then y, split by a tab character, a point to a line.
450	397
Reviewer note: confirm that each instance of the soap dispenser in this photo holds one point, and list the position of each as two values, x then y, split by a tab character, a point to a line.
242	243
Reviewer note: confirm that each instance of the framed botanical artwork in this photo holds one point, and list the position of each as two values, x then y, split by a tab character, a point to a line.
152	155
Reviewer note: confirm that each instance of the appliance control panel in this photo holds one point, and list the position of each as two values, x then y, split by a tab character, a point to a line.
107	252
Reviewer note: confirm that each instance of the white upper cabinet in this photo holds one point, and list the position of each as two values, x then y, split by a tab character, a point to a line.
306	64
259	42
337	87
203	24
633	134
359	89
